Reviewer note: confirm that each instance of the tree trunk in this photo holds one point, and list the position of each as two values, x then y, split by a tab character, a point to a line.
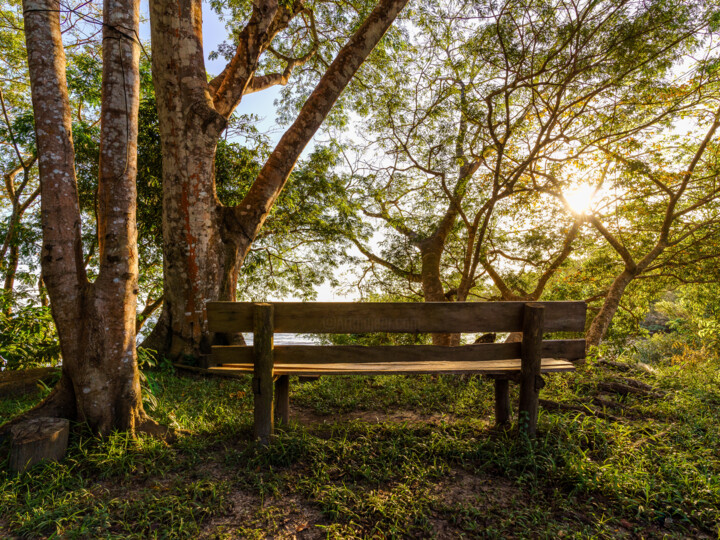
194	254
10	273
95	321
601	322
205	243
433	290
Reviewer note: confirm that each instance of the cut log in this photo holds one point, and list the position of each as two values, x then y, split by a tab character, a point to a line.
37	440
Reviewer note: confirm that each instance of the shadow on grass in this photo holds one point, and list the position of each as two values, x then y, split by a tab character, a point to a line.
438	471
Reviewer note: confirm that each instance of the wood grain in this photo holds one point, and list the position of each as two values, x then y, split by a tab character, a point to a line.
37	440
263	371
282	399
496	367
570	349
531	354
397	317
502	401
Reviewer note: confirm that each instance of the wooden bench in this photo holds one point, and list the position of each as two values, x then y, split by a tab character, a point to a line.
523	361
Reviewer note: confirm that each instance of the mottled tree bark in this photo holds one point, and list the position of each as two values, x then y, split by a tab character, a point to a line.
95	321
205	243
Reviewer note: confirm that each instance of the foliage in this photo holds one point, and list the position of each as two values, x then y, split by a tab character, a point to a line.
27	337
485	117
685	329
304	239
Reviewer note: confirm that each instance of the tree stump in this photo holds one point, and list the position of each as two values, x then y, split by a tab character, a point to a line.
37	440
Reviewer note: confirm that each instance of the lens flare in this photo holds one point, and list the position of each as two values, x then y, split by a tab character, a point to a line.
580	197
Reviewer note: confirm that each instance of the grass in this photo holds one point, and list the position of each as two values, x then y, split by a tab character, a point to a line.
389	457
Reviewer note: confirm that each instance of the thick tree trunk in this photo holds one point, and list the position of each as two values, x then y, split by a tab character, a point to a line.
193	251
601	322
205	244
95	322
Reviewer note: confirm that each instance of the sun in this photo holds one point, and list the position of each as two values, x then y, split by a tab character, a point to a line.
580	197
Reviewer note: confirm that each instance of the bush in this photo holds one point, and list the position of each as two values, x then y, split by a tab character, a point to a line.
28	338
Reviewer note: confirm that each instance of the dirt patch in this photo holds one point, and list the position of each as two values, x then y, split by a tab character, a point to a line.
307	417
462	487
283	518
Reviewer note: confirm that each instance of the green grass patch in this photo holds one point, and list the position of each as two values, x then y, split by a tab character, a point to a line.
389	456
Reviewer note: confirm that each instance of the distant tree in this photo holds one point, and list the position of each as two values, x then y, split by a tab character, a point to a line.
661	210
465	117
17	152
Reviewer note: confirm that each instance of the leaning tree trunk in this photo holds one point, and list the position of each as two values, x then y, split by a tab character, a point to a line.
601	322
10	273
95	321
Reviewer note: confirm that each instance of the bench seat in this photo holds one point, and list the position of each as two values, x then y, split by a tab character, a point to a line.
493	367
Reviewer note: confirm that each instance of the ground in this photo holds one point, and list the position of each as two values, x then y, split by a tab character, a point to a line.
392	456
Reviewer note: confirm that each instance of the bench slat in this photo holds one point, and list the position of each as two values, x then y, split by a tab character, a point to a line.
494	367
396	317
572	349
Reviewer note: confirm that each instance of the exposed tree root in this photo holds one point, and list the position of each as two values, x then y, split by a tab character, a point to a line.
608	403
616	365
60	403
208	373
624	388
585	409
641	385
150	427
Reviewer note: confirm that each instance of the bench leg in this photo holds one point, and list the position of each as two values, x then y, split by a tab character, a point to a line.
502	401
282	399
530	380
263	408
263	376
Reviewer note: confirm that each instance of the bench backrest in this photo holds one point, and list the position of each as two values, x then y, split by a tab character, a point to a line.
399	317
396	317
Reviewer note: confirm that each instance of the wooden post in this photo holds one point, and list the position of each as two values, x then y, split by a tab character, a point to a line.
530	380
263	328
282	399
502	401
